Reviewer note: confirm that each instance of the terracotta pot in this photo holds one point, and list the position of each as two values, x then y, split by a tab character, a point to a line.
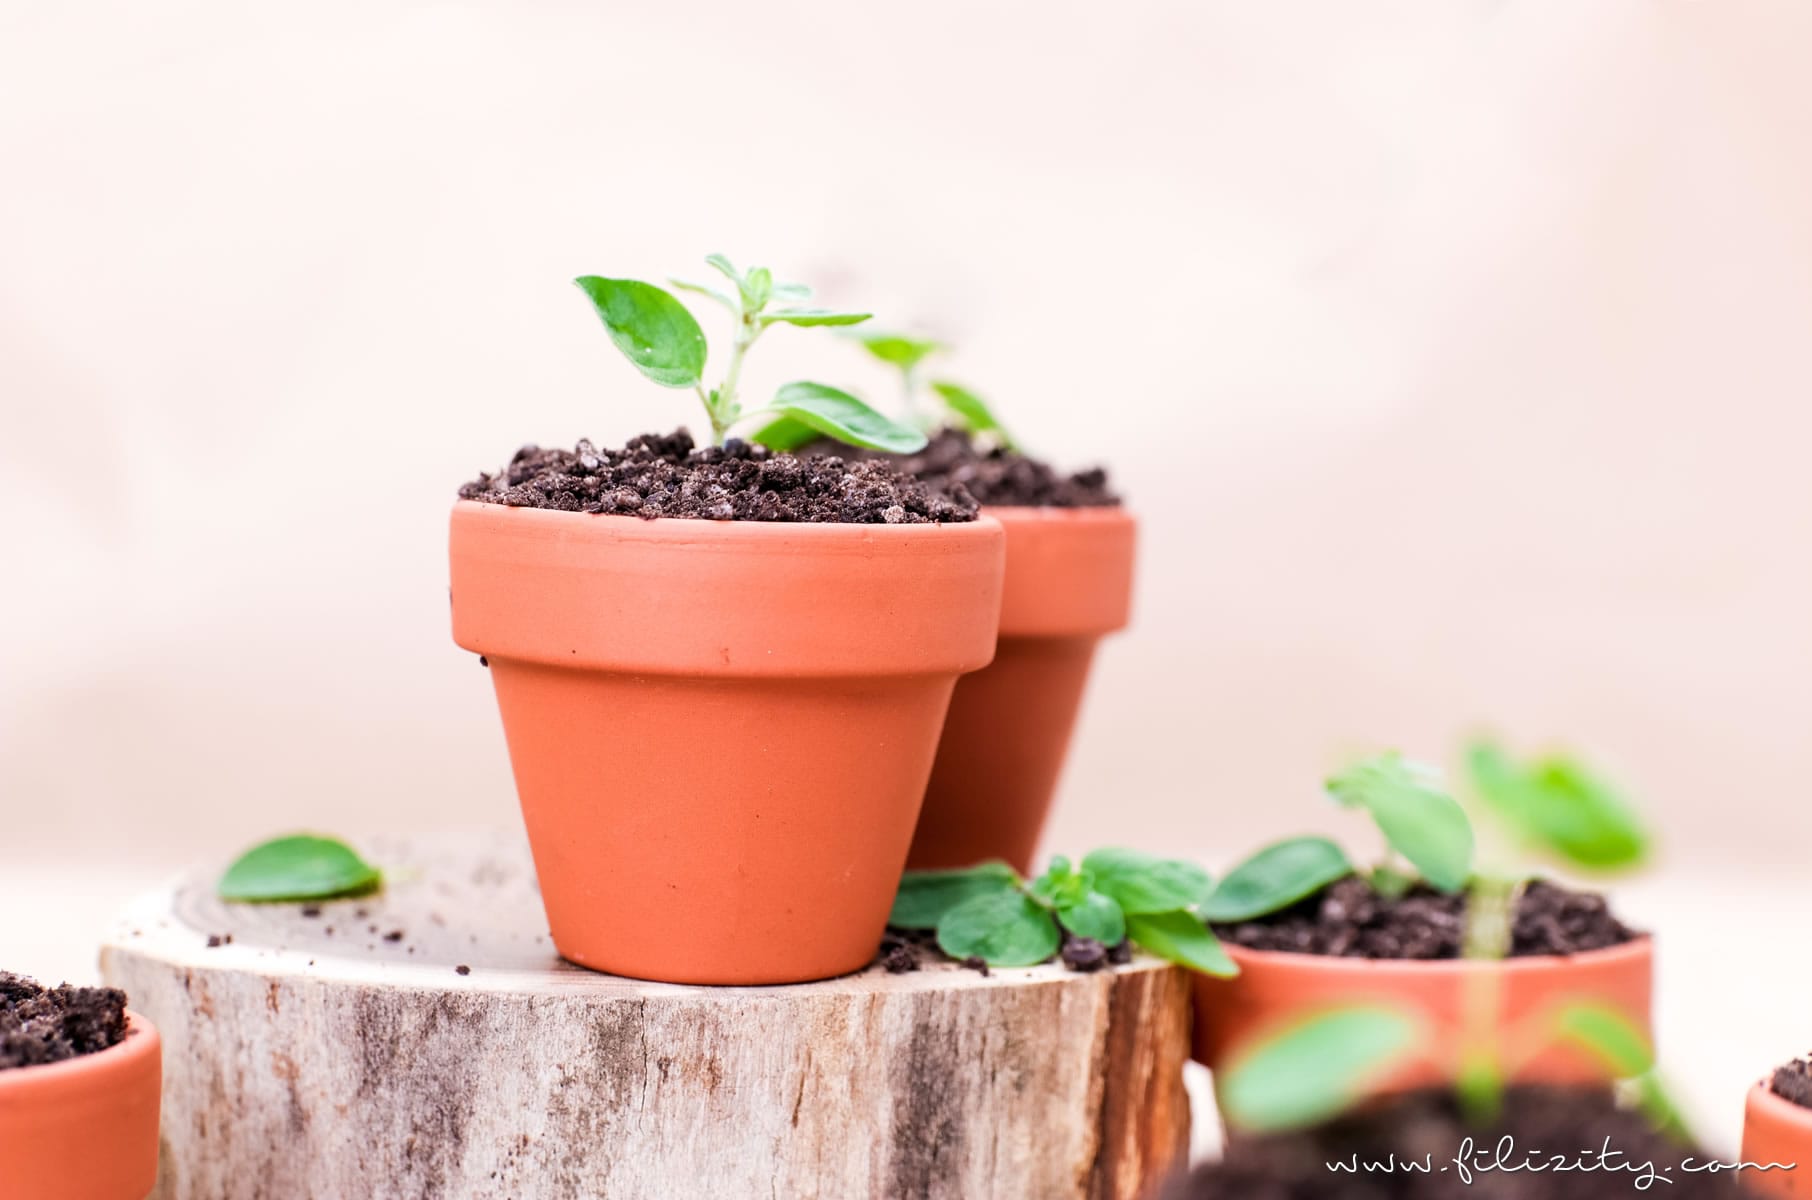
85	1128
1776	1130
1275	989
721	731
1069	582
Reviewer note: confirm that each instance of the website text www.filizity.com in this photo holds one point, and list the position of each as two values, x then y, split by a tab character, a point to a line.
1472	1160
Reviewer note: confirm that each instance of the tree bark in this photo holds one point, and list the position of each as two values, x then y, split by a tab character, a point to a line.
344	1054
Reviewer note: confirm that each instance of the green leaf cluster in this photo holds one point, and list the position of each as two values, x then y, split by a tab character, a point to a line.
1114	895
300	866
661	339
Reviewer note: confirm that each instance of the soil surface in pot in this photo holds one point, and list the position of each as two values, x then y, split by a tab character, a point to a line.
904	950
47	1025
655	476
1794	1082
1348	919
994	475
1548	1129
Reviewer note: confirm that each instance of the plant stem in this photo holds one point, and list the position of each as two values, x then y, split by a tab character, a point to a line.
1489	902
727	412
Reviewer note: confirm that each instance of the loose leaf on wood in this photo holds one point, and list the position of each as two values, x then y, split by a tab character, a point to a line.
1315	1070
1094	916
654	331
299	867
814	316
842	416
1419	820
1181	937
925	896
1145	883
1276	877
1560	806
974	411
1004	929
898	349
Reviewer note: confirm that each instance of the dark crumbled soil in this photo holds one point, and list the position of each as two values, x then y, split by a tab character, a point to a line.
668	476
1794	1082
904	950
1348	919
993	474
45	1025
1425	1129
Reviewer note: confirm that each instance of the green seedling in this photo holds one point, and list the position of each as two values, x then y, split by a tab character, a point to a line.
1115	895
956	405
661	338
1553	806
300	866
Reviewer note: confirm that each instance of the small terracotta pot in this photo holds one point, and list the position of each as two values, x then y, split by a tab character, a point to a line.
1069	582
84	1128
1274	990
721	731
1776	1130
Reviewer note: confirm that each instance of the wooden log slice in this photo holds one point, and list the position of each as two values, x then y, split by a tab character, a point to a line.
344	1053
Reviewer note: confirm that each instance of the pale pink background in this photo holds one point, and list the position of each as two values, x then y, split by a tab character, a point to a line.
1484	328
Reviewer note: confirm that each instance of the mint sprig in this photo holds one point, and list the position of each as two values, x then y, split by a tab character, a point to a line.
662	340
1115	895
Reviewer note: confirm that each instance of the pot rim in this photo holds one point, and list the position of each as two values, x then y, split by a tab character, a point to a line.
1770	1105
1641	946
688	530
140	1042
1101	514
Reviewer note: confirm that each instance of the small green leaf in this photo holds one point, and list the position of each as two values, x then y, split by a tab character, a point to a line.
1275	878
1094	916
1560	806
758	288
791	291
1180	937
726	268
1315	1070
925	896
898	349
1419	820
1145	883
299	867
814	316
1608	1035
974	412
652	329
1003	929
785	435
703	289
1060	884
842	416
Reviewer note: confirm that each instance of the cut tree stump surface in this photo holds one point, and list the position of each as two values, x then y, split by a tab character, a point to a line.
344	1054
